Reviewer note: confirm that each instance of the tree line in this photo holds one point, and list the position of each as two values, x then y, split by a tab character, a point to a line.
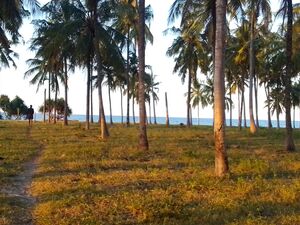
107	38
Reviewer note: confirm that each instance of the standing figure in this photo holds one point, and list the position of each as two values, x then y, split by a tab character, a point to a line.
30	115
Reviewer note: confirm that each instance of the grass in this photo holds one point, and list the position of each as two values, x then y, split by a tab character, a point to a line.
16	147
82	179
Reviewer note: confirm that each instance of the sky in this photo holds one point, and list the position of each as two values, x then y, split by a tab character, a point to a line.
12	80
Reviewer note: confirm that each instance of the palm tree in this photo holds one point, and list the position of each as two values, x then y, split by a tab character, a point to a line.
198	97
188	50
221	161
143	139
276	102
11	17
126	21
286	11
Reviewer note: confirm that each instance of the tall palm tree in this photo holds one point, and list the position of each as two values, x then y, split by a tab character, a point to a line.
143	139
11	17
198	97
126	21
287	9
188	49
276	102
221	161
256	8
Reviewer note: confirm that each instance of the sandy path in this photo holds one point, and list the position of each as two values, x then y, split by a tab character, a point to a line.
18	189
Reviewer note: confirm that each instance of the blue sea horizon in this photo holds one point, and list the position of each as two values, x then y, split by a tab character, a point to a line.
172	120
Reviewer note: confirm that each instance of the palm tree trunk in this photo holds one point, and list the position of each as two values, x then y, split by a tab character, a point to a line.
198	114
44	109
127	80
121	105
230	109
245	117
143	139
191	116
110	109
277	117
289	141
88	85
133	112
49	98
251	74
103	127
149	103
188	118
239	111
92	113
154	113
221	162
167	110
55	102
66	93
268	106
256	101
294	117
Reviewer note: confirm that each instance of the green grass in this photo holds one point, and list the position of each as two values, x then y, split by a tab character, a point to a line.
82	179
16	147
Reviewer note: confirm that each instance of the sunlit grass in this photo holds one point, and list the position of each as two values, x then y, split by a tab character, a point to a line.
16	147
82	179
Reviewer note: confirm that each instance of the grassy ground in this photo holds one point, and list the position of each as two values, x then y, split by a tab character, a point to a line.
16	147
81	179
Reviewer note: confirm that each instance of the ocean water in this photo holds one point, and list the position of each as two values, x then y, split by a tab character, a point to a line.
173	120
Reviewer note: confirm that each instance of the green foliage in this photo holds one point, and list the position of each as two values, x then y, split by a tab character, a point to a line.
16	107
60	106
81	179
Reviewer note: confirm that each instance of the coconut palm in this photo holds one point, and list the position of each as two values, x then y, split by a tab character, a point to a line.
286	11
126	21
143	139
11	17
221	161
188	49
256	8
198	97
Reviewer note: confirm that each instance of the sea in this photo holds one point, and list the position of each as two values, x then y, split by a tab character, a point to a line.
172	120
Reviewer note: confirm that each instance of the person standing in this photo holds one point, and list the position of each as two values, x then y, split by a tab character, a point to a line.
30	115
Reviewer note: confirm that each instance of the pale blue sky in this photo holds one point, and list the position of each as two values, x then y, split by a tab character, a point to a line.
12	82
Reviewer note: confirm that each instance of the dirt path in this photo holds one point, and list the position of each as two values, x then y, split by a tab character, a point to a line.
18	190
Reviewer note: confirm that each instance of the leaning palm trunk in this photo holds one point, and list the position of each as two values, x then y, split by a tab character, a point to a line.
289	141
103	126
143	140
221	162
66	93
167	110
239	111
251	74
